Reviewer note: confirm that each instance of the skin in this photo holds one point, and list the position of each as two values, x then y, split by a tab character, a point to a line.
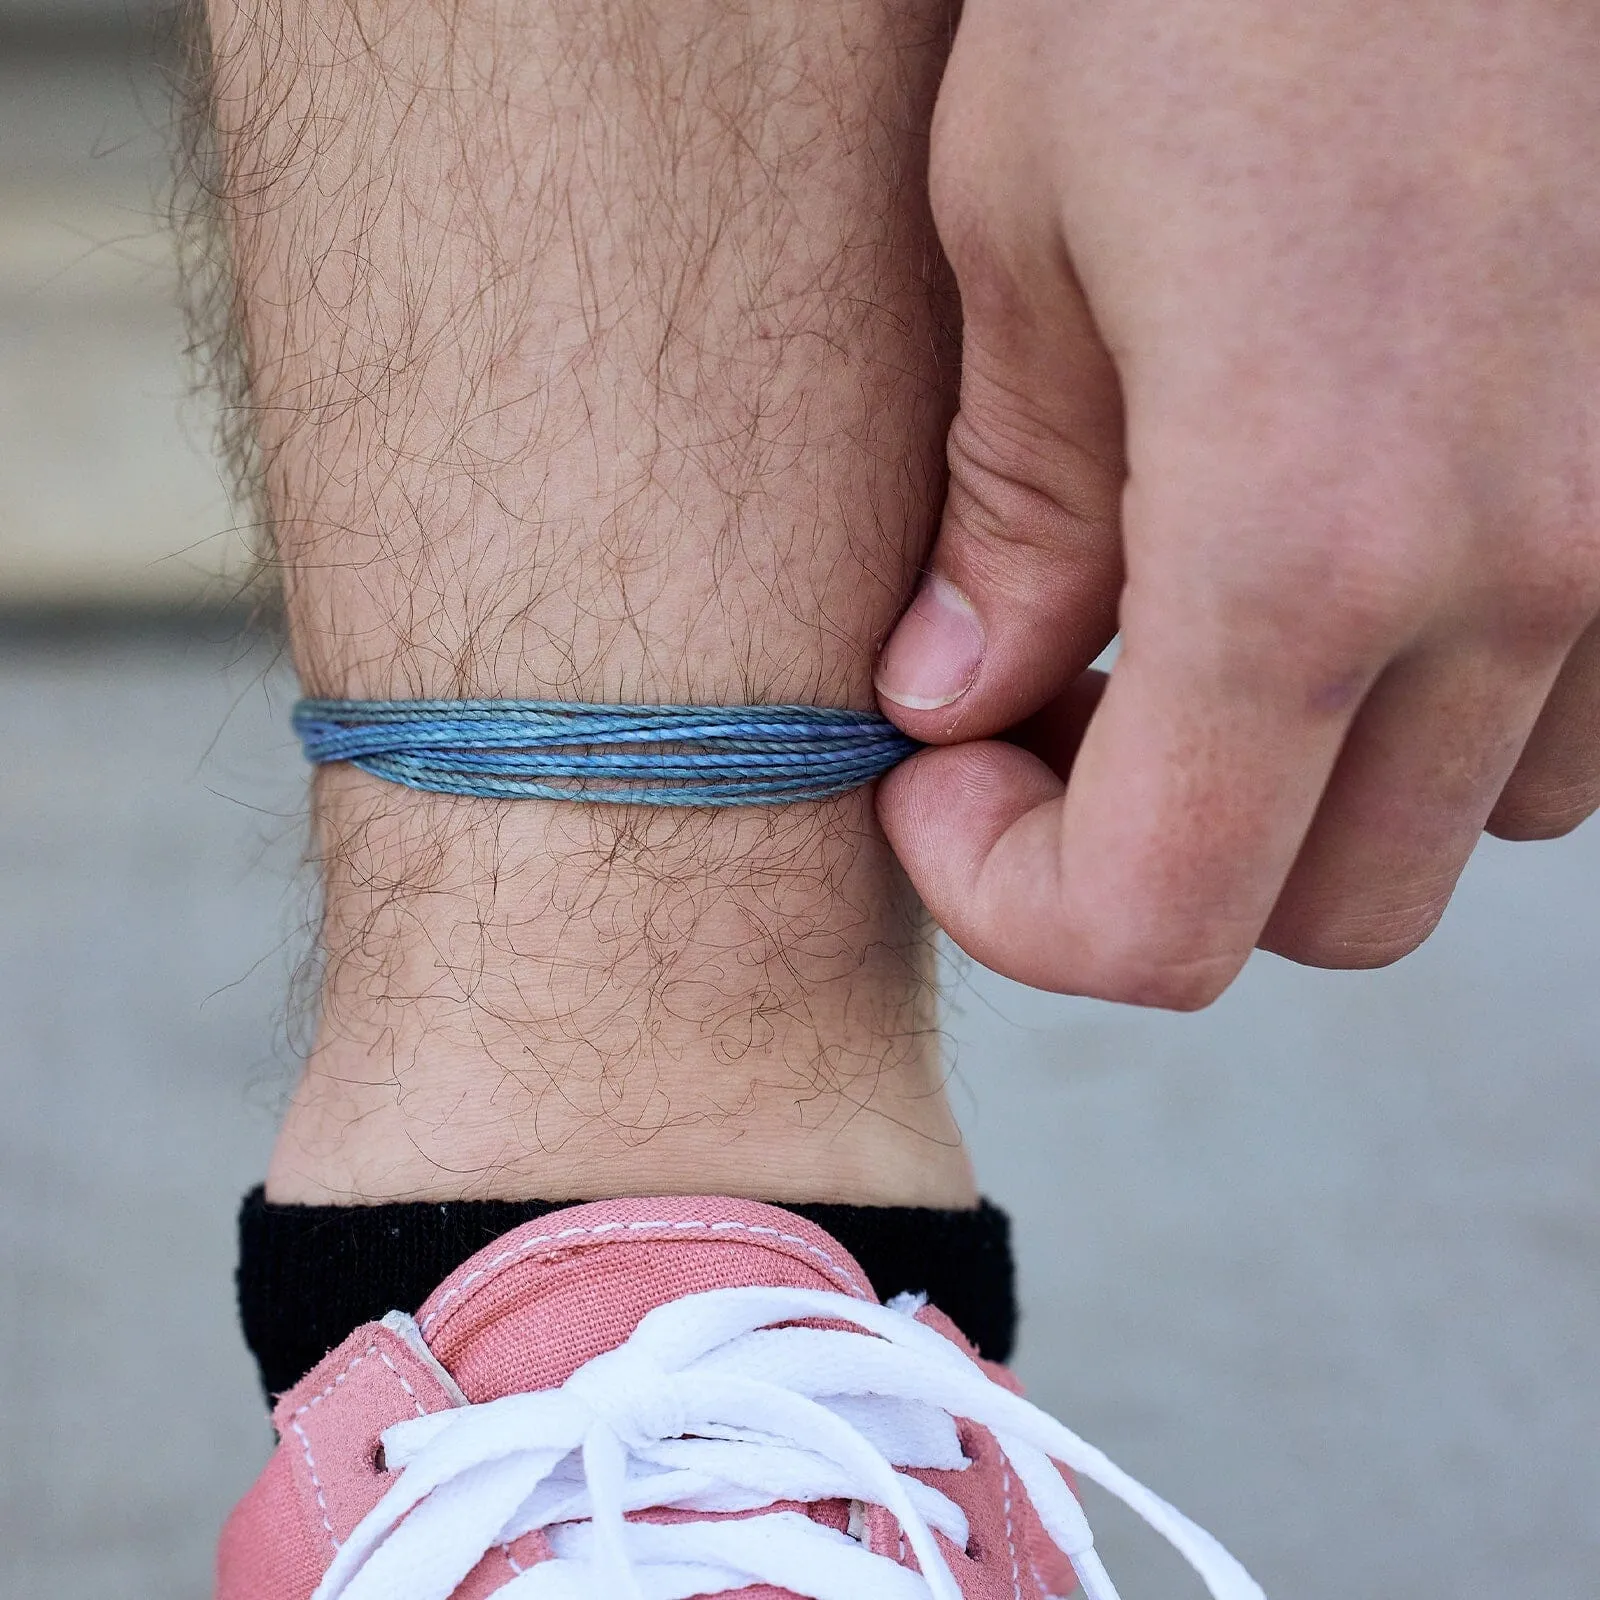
1282	332
598	352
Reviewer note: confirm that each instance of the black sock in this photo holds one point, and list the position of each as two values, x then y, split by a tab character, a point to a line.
309	1276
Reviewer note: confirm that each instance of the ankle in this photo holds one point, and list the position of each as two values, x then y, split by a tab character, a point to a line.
576	1002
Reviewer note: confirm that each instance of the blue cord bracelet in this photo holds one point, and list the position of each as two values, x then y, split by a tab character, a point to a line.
619	755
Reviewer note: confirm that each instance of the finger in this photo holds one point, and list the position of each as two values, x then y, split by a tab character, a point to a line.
1415	781
1020	590
1148	878
1556	783
999	781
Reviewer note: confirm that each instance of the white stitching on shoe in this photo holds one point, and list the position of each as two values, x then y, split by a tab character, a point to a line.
1011	1538
316	1400
1039	1583
305	1441
422	1410
528	1246
316	1482
350	1366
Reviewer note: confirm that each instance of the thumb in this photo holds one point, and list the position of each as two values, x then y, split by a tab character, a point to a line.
1020	591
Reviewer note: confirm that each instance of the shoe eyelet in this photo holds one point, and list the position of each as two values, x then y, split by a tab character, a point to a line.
380	1462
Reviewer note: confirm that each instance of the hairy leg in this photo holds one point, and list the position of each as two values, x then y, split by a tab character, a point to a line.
598	352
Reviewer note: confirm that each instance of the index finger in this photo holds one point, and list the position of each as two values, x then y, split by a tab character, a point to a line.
1149	874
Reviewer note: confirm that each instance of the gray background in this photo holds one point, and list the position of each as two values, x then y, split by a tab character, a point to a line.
1322	1264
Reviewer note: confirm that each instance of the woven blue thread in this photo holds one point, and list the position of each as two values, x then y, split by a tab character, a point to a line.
620	755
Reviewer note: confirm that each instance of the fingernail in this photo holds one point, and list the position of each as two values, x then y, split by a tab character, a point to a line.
935	651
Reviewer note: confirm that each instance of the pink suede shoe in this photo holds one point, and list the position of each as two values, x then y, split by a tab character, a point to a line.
664	1399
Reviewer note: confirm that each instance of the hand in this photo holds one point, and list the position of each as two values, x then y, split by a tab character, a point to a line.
1282	349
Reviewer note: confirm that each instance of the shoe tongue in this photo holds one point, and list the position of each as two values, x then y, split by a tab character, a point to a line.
526	1312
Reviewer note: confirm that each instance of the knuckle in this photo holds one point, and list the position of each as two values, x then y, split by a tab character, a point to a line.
1353	558
1337	953
1532	812
1019	488
1165	982
993	471
1359	605
1335	604
1545	602
1360	942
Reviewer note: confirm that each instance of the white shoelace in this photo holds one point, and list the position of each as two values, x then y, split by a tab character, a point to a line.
711	1408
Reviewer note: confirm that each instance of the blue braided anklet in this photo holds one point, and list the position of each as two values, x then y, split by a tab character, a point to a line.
621	755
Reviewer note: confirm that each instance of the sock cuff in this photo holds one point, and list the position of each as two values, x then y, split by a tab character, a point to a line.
310	1275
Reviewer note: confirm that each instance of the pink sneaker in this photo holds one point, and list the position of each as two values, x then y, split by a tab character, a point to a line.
664	1399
